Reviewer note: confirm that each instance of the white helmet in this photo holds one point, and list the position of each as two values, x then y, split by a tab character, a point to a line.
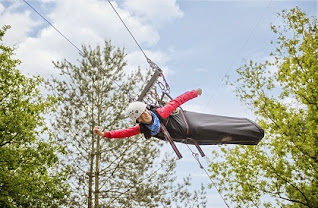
135	109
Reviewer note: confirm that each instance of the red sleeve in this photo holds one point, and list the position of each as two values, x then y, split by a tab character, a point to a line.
165	111
122	133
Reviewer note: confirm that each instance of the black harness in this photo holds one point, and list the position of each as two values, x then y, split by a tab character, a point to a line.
175	128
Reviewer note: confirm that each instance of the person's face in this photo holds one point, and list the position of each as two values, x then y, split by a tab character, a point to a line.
145	117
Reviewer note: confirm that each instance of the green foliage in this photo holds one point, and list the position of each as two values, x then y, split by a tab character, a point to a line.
283	93
110	173
28	165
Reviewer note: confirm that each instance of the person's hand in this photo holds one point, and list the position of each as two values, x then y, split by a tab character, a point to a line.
98	131
199	91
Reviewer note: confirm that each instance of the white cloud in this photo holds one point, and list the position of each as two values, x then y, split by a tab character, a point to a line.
156	12
82	22
36	58
98	18
21	24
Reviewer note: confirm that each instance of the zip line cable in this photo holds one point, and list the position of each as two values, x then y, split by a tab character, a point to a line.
151	63
54	27
80	51
128	30
196	157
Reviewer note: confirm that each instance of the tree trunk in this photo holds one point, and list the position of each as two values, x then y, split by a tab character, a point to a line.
97	172
90	176
98	157
91	172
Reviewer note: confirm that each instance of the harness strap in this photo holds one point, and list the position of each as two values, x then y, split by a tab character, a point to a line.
197	146
168	137
185	120
193	140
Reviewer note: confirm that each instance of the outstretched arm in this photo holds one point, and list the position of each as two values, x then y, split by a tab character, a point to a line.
165	111
122	133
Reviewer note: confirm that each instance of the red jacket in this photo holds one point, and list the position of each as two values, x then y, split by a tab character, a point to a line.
164	112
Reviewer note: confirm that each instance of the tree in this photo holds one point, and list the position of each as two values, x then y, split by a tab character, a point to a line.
29	176
110	173
283	93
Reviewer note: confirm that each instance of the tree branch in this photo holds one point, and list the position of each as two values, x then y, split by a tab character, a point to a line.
290	183
9	141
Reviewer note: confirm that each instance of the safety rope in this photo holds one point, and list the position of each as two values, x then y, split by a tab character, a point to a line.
197	158
152	97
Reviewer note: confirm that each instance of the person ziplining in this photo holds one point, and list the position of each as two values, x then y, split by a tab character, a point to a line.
168	124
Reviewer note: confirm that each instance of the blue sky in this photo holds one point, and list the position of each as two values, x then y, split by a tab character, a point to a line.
196	43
